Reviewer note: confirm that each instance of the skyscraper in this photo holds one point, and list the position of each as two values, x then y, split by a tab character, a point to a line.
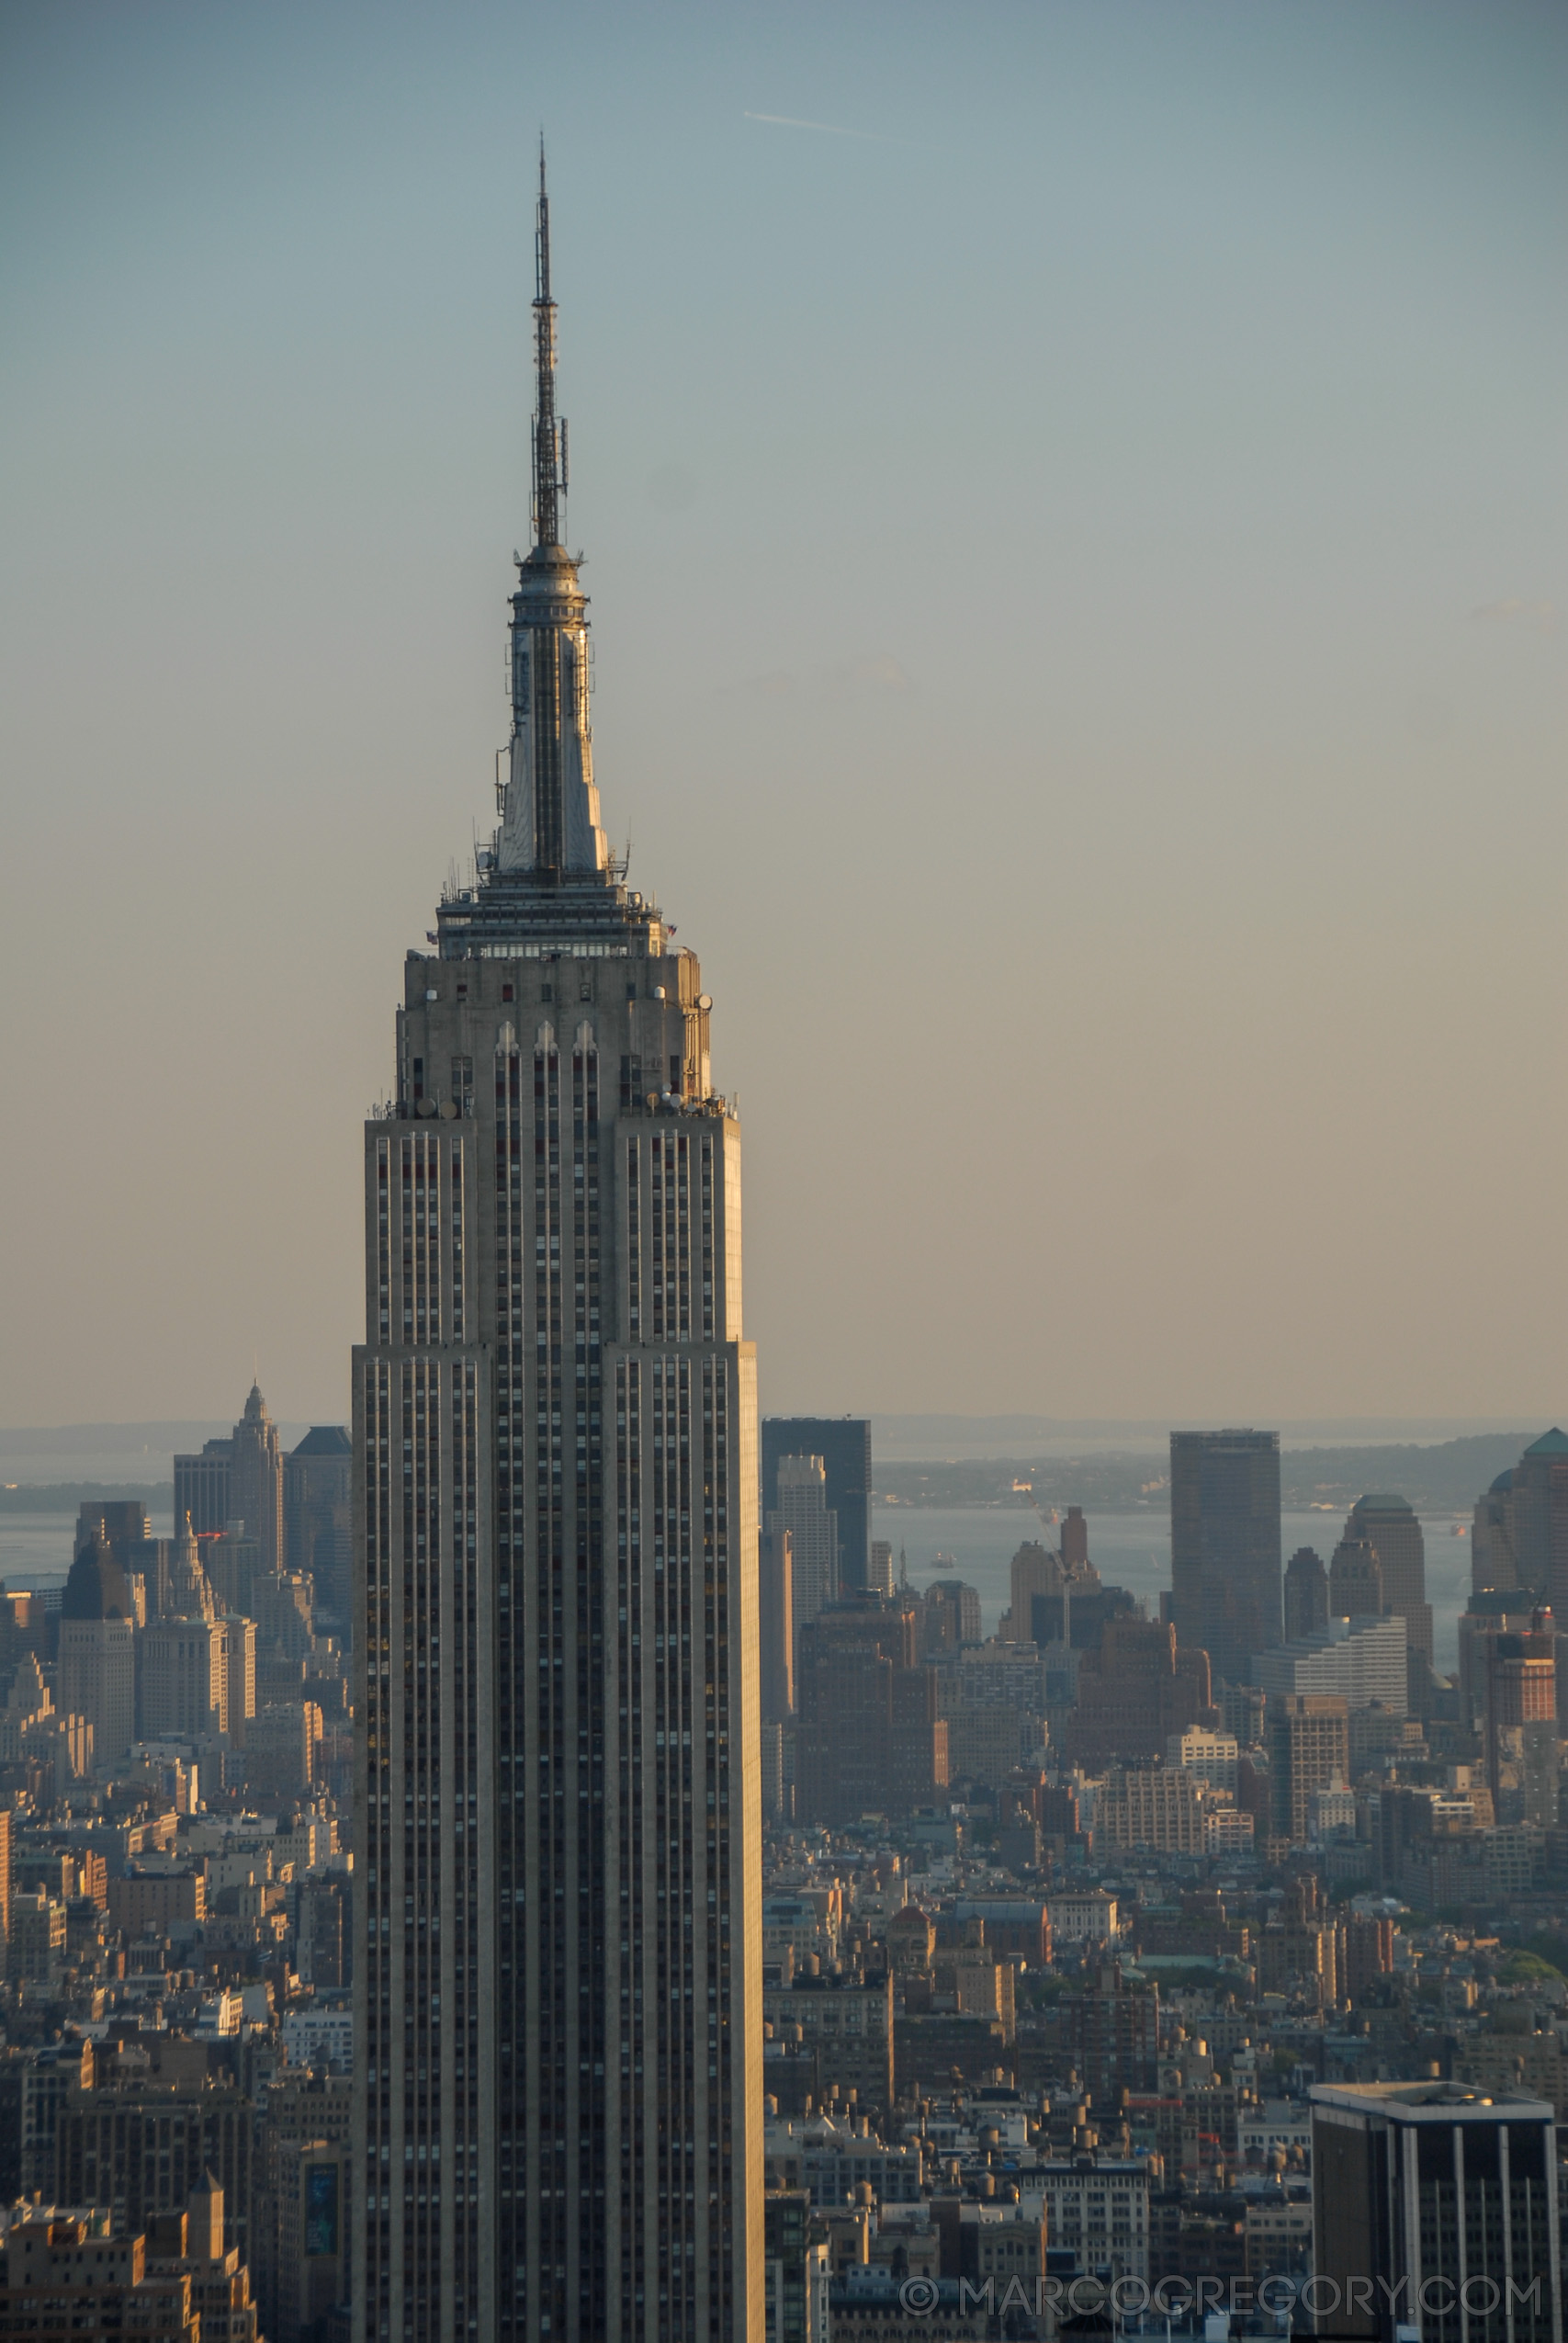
869	1740
801	1513
1492	1564
1435	2212
1038	1571
189	1594
1354	1581
97	1649
1306	1594
1364	1660
952	1614
1389	1527
1309	1749
843	1442
185	1653
776	1626
1538	1518
558	2005
143	1558
255	1480
1225	1545
317	1511
202	1486
1520	1721
1137	1690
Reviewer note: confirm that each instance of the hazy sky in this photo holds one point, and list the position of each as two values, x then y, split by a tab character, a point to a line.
1078	558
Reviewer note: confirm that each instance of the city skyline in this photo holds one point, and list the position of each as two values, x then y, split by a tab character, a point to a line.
1256	425
463	1885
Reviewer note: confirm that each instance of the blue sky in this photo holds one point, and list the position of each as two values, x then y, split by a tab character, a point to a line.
1076	558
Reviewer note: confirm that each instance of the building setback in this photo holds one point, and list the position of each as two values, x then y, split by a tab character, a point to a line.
1362	1660
557	2017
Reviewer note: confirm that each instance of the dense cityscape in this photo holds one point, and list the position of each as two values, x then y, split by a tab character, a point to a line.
1065	1933
529	1862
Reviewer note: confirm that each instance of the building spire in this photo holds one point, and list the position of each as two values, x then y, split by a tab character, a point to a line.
549	437
551	824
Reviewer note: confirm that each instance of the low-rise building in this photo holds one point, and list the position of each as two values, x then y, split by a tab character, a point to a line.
830	2163
63	2274
847	2019
1278	2235
157	1903
321	2032
141	2143
1098	2206
1159	1806
1087	1917
1017	1927
37	1949
868	2302
1284	2124
1209	1757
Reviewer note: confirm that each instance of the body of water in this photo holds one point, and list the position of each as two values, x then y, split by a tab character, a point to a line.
976	1542
1132	1550
35	1548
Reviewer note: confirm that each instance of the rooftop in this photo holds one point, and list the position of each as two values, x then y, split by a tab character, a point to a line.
324	1440
1431	2097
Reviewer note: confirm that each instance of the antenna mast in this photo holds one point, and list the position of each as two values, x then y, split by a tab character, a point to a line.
549	437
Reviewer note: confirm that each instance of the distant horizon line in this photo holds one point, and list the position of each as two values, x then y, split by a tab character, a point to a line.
173	1431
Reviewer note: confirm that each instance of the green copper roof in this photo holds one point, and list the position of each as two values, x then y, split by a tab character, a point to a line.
1372	1504
1551	1444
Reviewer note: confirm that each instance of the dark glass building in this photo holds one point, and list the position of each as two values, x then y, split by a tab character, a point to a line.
202	1486
1225	1545
843	1442
1435	2212
1306	1594
318	1484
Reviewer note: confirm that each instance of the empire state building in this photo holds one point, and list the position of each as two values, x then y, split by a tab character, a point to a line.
557	1991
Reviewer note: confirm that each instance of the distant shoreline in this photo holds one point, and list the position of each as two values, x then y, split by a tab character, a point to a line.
1445	1477
70	1496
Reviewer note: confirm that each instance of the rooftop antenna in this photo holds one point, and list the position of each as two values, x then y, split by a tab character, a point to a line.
549	436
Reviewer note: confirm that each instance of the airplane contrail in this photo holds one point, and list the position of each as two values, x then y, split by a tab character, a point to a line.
834	130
